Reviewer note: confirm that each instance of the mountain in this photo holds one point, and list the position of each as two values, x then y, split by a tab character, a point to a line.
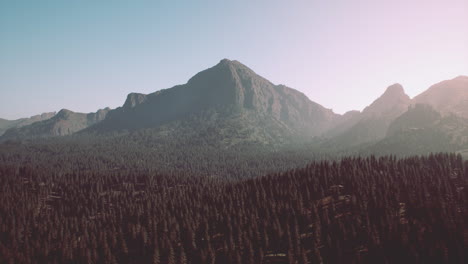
419	116
230	105
450	96
437	120
391	103
372	123
343	123
422	130
231	94
7	124
65	122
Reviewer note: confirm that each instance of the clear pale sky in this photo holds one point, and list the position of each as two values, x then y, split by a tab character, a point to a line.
85	55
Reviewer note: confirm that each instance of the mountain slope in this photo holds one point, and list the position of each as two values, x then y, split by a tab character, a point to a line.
422	130
65	122
7	124
391	103
450	96
419	116
436	121
371	125
229	91
343	123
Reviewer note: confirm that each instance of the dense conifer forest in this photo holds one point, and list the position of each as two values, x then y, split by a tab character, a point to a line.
196	158
147	150
356	210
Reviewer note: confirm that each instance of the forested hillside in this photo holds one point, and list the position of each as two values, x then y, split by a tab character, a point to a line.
201	147
372	210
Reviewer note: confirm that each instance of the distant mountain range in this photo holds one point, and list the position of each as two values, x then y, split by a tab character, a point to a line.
7	124
241	107
65	122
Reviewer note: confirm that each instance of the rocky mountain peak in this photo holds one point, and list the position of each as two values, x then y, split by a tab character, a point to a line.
395	90
393	101
134	99
64	114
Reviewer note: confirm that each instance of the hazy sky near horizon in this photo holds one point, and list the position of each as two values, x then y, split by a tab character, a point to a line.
89	54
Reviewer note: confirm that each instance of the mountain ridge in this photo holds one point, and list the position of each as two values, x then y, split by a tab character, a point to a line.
372	123
241	106
65	122
6	124
448	96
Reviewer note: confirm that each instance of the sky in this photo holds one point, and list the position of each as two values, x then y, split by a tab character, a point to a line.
89	54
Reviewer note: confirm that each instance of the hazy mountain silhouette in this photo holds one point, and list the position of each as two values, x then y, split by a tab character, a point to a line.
372	123
392	102
343	123
65	122
421	130
450	96
7	124
419	116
